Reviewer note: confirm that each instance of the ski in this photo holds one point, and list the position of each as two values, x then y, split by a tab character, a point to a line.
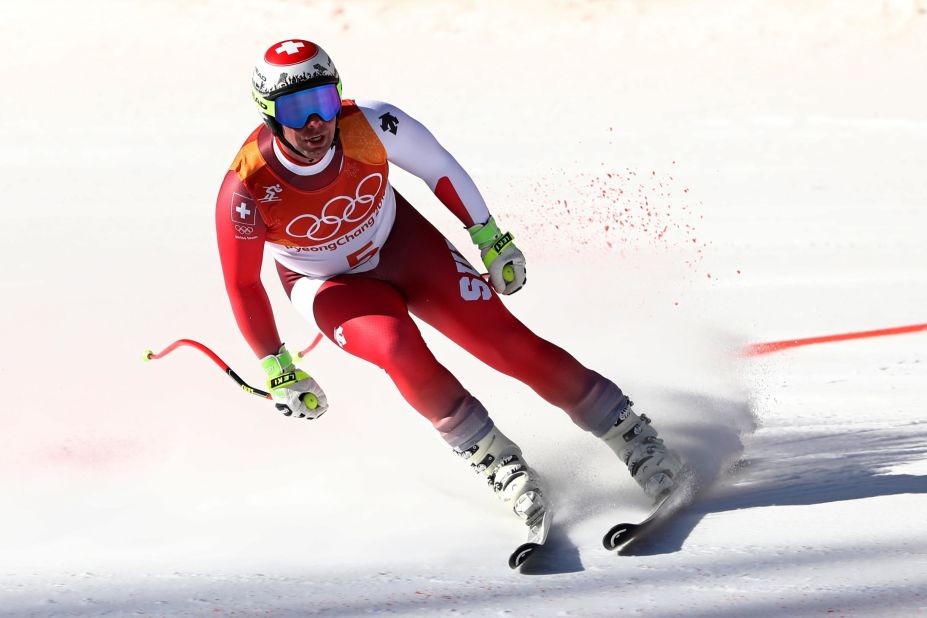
537	536
621	534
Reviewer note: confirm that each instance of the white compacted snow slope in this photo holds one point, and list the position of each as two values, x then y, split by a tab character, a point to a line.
685	178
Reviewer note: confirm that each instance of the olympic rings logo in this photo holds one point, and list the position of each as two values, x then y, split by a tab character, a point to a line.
243	229
338	211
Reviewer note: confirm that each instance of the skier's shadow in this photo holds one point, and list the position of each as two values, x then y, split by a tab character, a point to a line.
814	468
558	555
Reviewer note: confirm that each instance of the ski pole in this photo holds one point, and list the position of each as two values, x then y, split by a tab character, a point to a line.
308	398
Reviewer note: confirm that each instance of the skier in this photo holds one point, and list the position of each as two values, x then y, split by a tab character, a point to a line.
311	185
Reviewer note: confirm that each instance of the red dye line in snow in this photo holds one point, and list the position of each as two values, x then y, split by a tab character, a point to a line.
757	349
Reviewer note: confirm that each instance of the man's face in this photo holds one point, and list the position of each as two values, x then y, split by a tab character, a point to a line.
314	139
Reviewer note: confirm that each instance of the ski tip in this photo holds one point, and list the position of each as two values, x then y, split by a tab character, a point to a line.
520	555
617	536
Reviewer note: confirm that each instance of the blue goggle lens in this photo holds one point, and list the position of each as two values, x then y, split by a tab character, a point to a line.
293	110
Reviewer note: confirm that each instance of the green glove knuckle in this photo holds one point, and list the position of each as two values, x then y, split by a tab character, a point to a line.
508	273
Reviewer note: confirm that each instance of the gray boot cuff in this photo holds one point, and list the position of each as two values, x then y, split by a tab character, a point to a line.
599	409
467	424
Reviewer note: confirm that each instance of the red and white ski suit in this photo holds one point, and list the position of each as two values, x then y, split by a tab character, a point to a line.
340	222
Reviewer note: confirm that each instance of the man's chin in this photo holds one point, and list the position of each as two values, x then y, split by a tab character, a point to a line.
314	154
311	156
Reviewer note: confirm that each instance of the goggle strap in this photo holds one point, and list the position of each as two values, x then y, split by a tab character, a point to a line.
265	104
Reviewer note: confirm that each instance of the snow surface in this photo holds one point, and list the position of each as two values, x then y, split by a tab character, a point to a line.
732	173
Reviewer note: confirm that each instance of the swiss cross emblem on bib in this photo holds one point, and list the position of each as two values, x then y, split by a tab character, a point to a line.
290	52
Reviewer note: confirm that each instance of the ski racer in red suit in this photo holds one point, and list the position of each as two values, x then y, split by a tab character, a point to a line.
311	185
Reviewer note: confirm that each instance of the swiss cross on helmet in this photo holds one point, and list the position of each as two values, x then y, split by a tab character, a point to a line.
290	67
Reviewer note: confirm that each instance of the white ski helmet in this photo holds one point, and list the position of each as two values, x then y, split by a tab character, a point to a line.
290	66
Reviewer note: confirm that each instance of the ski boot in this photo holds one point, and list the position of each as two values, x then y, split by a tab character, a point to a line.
654	467
499	461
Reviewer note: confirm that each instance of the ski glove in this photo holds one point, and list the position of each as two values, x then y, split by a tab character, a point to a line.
293	390
505	262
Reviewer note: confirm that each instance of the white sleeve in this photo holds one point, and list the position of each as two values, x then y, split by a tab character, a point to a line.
412	147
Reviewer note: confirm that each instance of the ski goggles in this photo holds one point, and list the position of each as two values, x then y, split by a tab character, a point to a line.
294	110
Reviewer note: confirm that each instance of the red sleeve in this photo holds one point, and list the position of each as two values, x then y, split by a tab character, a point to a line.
448	195
241	233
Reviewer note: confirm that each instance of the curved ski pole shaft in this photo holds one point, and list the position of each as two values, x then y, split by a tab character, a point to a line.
150	355
301	355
